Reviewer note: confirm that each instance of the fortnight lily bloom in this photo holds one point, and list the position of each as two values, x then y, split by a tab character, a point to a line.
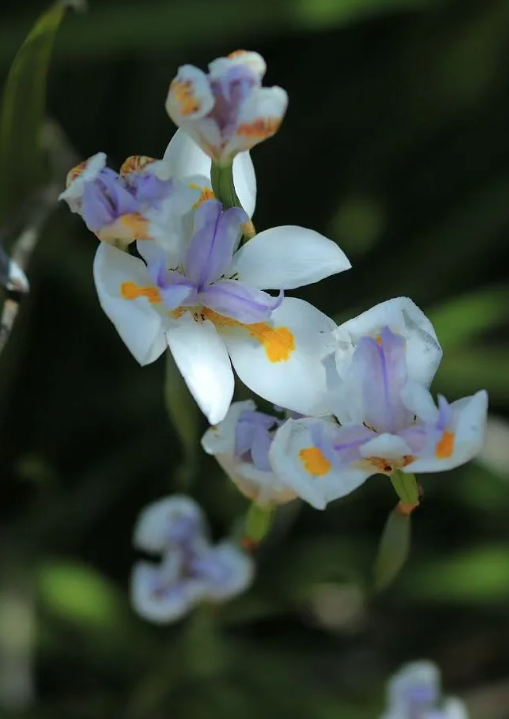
414	693
148	198
389	422
204	301
191	570
241	444
227	110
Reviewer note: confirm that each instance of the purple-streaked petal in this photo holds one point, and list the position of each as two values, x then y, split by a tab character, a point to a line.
211	247
244	304
248	424
340	445
260	450
178	292
175	289
380	369
148	188
105	199
444	414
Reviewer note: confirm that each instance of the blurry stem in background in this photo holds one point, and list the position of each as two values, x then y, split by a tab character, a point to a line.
17	629
393	548
199	651
257	525
224	189
185	417
35	212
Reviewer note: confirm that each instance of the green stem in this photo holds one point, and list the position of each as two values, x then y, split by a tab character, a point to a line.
406	487
222	184
259	521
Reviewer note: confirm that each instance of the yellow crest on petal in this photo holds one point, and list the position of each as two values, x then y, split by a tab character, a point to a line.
136	163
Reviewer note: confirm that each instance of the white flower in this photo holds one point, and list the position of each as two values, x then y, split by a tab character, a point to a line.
388	420
191	570
227	110
241	444
414	693
150	199
204	300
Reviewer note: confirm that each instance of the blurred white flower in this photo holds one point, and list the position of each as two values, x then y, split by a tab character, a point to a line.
191	570
415	693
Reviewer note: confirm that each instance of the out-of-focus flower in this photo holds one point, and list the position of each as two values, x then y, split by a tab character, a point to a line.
241	444
415	693
389	422
204	300
149	199
227	110
191	570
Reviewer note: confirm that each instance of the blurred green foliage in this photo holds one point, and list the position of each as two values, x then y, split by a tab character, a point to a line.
396	144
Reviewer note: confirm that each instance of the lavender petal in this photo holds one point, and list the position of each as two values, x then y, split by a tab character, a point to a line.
211	247
239	302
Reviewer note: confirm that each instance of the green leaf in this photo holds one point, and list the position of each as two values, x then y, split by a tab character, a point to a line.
23	110
185	417
463	372
77	593
393	549
477	575
461	319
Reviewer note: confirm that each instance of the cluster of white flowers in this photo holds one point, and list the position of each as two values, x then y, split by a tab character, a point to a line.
180	266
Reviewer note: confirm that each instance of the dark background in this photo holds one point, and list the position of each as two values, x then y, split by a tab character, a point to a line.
396	144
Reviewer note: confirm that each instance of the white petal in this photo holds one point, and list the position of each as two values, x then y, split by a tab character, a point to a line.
217	68
260	118
189	97
201	356
402	316
288	458
163	607
186	158
284	258
154	523
220	439
421	675
140	325
244	179
78	177
259	486
454	709
189	163
468	426
419	401
282	360
239	568
388	446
